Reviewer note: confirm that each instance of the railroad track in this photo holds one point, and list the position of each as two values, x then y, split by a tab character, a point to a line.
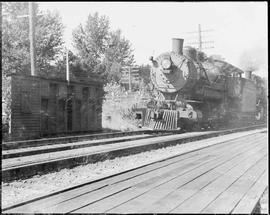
26	162
71	139
88	137
47	148
222	177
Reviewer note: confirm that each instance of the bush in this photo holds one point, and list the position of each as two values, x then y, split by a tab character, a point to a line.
118	108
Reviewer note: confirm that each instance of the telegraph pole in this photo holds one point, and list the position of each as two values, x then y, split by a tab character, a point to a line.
32	38
67	65
200	37
31	17
200	41
129	78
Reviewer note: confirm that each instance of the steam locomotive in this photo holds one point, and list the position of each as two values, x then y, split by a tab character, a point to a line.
193	91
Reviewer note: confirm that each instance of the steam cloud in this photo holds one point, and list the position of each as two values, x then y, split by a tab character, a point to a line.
255	60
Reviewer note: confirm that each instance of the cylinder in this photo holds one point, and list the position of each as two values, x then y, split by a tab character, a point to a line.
177	45
248	74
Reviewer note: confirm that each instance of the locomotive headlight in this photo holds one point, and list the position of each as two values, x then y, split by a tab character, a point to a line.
166	63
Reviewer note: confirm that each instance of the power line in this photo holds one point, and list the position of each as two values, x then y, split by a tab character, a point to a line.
200	41
201	31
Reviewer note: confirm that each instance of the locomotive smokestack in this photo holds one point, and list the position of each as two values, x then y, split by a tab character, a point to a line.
177	45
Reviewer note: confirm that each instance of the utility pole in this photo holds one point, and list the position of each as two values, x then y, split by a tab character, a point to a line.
31	17
200	41
129	78
67	65
32	38
200	37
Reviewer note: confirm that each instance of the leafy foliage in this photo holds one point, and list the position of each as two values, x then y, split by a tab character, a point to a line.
89	40
16	45
100	50
118	106
15	38
145	73
118	54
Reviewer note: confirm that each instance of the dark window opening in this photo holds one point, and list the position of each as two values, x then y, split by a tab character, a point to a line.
61	126
138	116
53	90
85	93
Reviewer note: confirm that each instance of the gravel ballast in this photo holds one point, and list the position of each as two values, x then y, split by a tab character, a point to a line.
23	190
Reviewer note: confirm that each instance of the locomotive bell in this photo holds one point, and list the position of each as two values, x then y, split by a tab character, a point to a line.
190	52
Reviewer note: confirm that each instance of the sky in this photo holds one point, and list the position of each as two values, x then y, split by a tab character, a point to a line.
239	28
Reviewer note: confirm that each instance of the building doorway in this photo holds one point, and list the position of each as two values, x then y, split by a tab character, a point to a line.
69	114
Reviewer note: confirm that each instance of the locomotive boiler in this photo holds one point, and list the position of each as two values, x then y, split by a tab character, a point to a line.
193	91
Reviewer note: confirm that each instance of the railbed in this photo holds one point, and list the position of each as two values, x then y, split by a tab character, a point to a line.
227	177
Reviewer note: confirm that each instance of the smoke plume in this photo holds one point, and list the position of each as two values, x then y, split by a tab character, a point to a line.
255	60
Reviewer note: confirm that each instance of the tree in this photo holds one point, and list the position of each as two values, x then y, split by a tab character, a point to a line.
90	40
145	73
15	38
100	50
117	55
76	68
16	45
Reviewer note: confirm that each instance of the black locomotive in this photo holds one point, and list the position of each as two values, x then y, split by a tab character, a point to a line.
193	91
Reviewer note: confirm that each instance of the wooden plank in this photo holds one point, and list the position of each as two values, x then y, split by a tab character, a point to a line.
249	201
140	171
197	202
91	187
201	199
159	175
134	191
181	192
46	204
164	205
229	198
144	193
